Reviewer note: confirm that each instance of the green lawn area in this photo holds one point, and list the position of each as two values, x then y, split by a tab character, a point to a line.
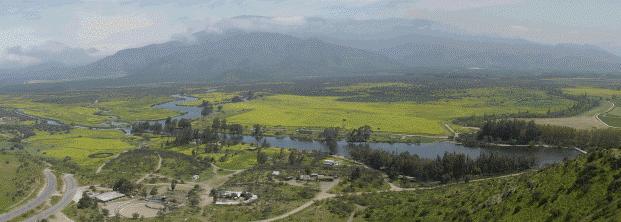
401	117
125	108
79	144
66	113
592	91
212	97
20	178
135	109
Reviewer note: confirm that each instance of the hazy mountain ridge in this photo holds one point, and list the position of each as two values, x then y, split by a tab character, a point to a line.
398	47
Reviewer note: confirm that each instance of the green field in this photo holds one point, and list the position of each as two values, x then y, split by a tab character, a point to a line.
212	97
135	109
400	117
66	113
79	144
592	91
125	108
20	178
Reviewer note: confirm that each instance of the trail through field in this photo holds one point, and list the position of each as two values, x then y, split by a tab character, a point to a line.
215	182
323	194
607	111
44	195
353	213
587	120
106	162
70	189
455	134
157	168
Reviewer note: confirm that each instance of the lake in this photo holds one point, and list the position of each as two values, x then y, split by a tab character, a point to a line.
541	155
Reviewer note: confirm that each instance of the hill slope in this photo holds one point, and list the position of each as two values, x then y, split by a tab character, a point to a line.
586	189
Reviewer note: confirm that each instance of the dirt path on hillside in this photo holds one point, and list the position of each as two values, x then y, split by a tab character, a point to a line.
396	189
157	168
323	194
215	182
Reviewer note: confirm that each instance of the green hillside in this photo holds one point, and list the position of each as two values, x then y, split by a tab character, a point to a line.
586	189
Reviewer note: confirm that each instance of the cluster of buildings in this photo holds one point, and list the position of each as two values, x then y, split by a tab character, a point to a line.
234	198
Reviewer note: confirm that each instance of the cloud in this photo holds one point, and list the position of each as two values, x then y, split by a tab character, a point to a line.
30	9
98	28
457	5
48	52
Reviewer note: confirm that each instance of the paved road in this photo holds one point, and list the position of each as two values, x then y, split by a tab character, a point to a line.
44	195
70	190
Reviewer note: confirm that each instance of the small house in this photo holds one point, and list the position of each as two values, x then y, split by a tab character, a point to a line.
108	196
305	177
330	163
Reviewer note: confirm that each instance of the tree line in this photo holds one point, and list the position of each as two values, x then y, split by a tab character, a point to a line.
446	168
520	132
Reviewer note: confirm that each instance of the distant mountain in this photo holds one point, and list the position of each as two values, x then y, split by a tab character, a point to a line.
240	55
423	51
264	56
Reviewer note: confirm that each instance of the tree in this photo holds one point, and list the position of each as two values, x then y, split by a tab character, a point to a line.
207	110
236	129
329	134
86	202
123	186
257	132
173	184
362	134
261	157
355	174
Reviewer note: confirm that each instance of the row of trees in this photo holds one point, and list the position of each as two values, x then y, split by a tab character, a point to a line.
522	132
183	132
449	167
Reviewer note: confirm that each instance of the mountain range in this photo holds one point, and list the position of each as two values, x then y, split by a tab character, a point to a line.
249	55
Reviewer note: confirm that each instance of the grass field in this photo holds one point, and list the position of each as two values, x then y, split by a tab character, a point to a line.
212	97
401	117
79	144
19	180
586	120
593	91
125	108
66	113
135	109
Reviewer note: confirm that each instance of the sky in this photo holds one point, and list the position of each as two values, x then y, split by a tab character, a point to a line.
78	31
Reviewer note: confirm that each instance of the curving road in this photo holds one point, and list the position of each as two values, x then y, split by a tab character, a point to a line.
44	195
70	189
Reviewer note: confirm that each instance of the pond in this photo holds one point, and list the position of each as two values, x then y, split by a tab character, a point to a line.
541	155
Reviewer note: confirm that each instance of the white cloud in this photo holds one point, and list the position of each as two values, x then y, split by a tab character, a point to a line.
98	28
456	5
50	51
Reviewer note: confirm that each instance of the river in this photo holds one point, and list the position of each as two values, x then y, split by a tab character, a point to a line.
541	155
